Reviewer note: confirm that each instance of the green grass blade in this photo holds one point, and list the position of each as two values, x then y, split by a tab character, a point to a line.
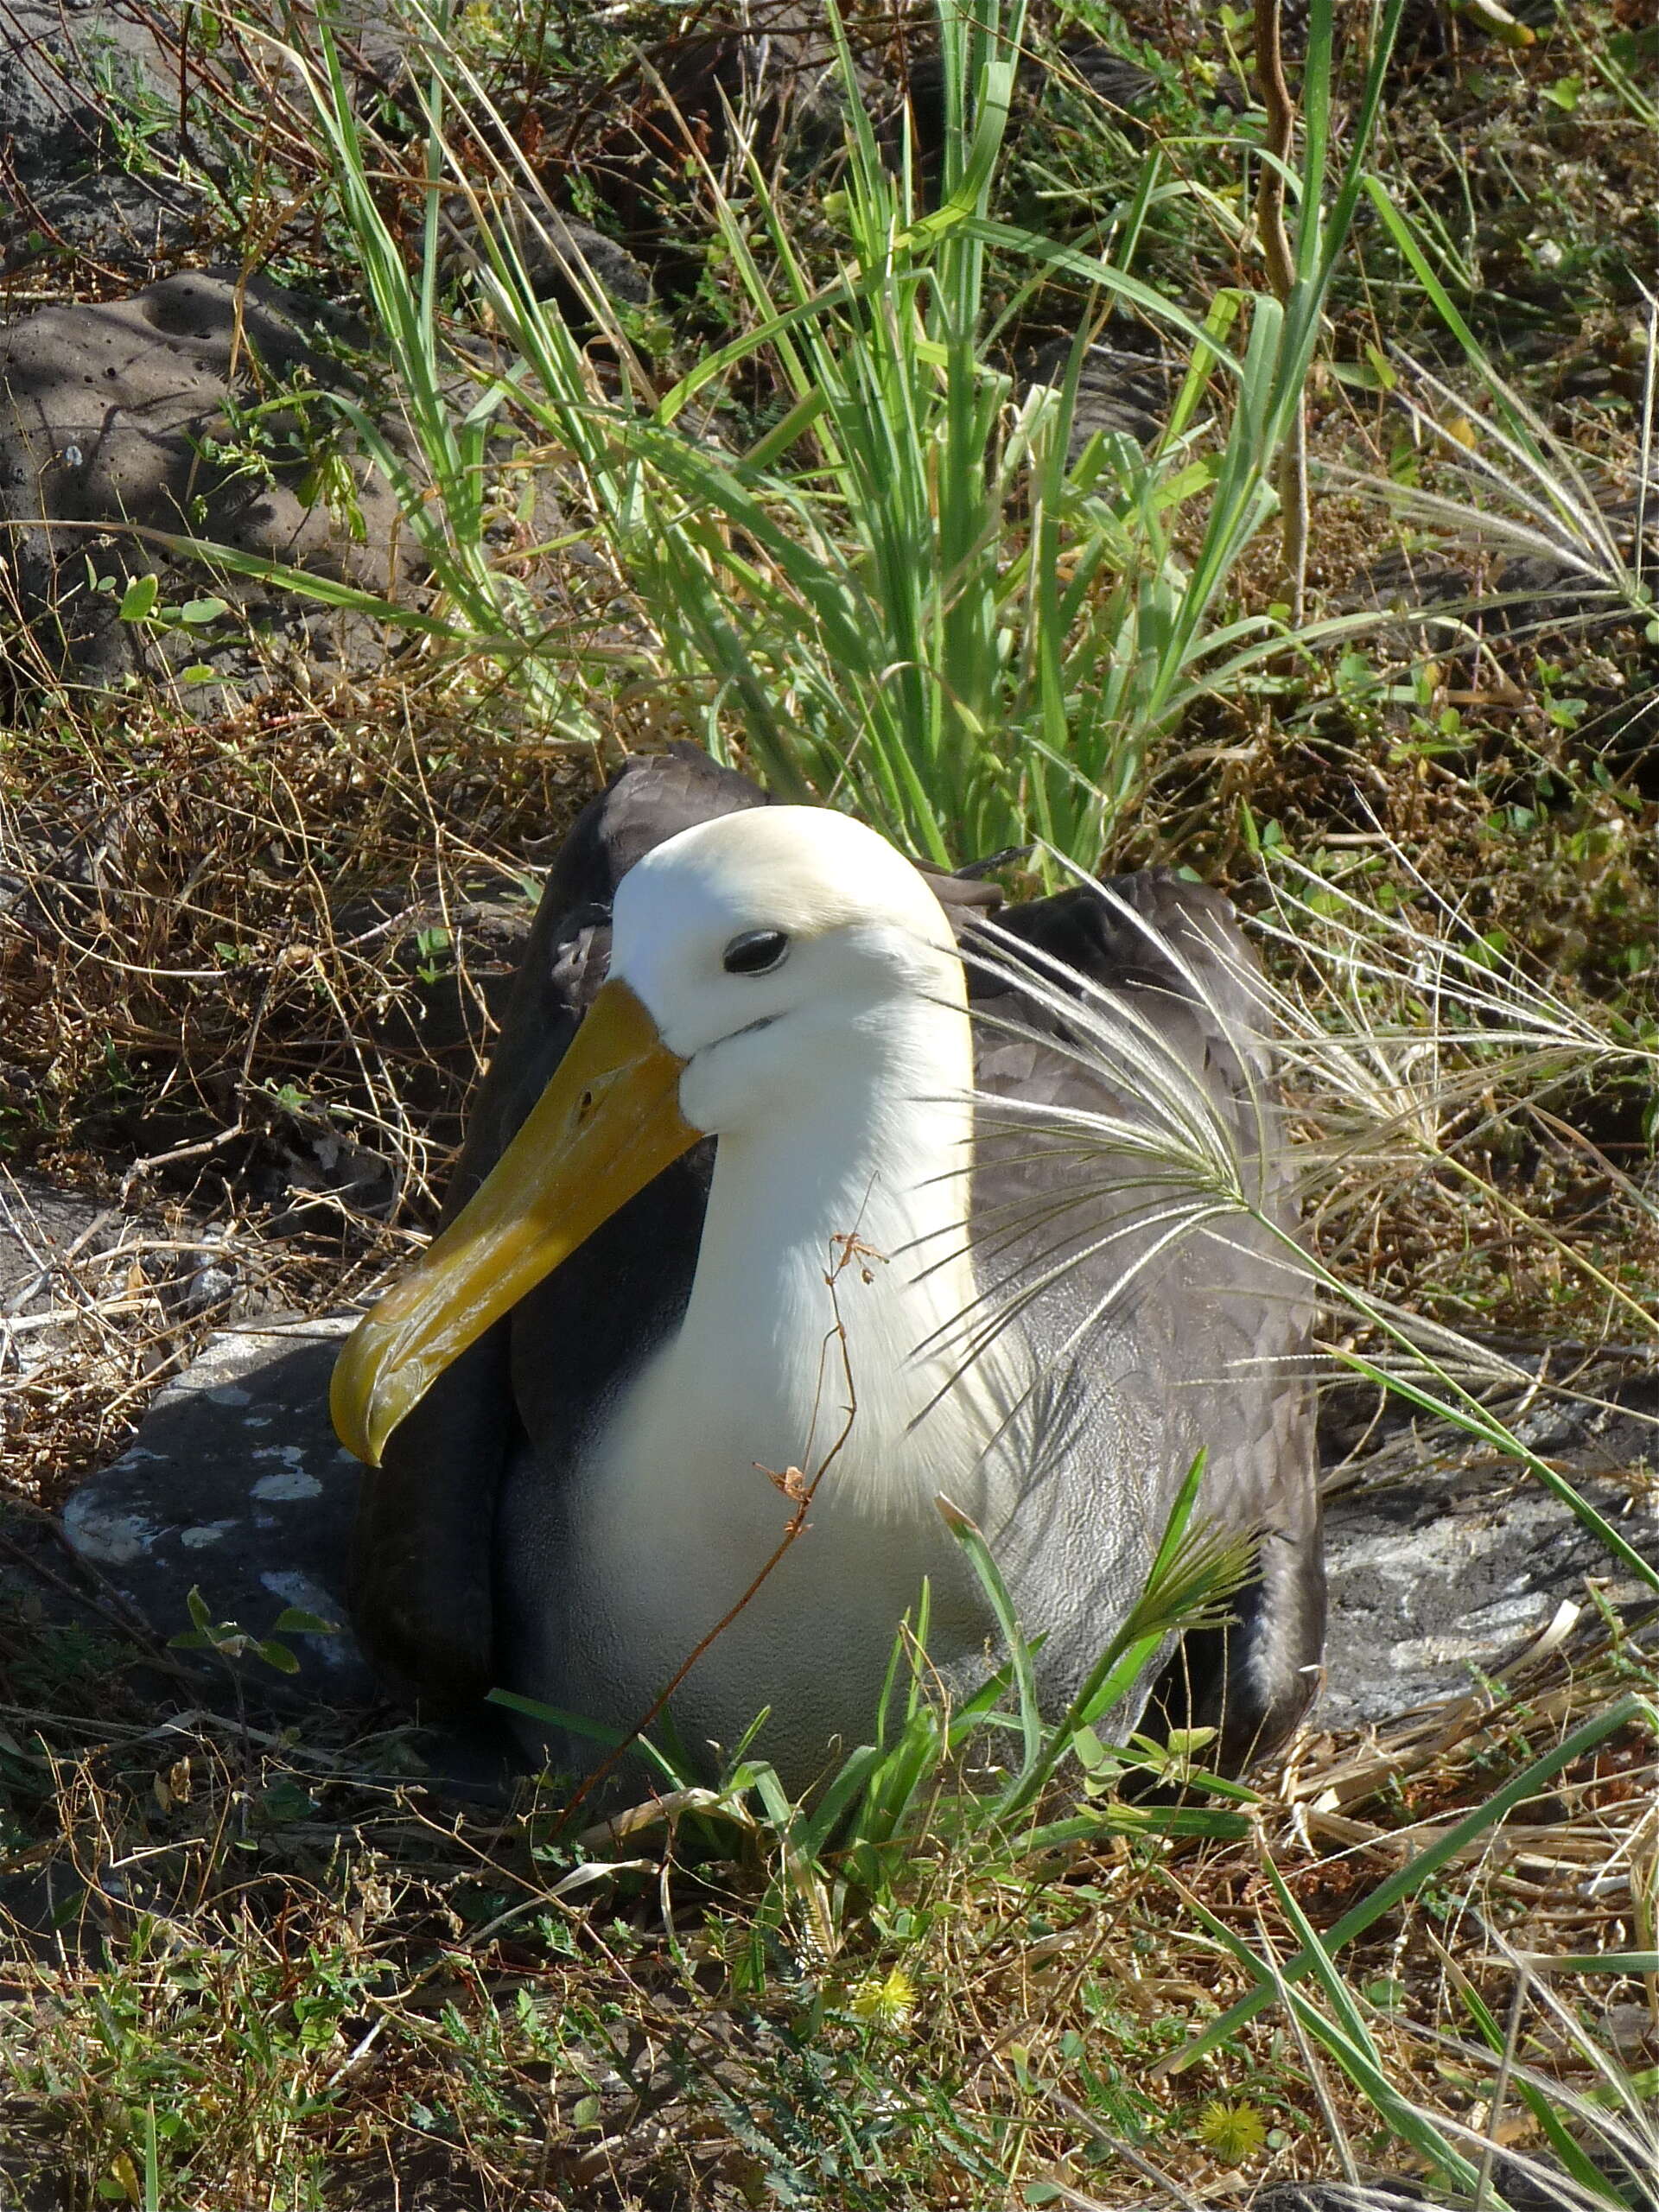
1551	2124
1411	1876
996	1593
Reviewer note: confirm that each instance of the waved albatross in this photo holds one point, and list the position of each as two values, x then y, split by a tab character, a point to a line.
580	1404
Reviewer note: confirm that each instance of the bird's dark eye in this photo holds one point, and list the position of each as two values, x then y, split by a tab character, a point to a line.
754	952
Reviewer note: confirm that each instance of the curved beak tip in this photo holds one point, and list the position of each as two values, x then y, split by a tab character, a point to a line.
353	1401
609	1122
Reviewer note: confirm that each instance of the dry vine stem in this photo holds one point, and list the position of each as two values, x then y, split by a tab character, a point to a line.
793	1484
1280	111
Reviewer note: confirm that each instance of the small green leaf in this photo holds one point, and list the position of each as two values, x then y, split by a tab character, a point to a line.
203	610
279	1656
139	597
1623	2095
1185	482
1358	376
287	1800
1092	1753
293	1620
1182	1742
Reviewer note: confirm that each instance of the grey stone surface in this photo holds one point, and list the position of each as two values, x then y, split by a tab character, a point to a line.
115	414
1122	390
237	1486
561	258
70	70
1441	1563
64	1253
1445	1563
42	1229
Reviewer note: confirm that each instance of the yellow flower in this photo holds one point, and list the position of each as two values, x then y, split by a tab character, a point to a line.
1232	2131
888	2000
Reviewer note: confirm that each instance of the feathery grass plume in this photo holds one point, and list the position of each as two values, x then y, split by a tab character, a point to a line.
1531	492
1156	1162
1155	1156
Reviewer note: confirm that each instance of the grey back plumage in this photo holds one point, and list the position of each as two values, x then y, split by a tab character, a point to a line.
1133	1213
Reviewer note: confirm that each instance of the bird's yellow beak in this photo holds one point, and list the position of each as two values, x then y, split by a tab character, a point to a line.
607	1122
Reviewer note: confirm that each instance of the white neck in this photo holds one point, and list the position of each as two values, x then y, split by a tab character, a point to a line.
880	1154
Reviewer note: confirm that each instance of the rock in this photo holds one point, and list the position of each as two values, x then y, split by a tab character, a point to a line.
1441	1565
687	91
1411	585
1522	596
237	1486
90	123
1117	88
1447	605
42	1229
62	1252
1444	1562
133	412
1534	594
71	193
1123	390
1120	85
561	258
1526	2184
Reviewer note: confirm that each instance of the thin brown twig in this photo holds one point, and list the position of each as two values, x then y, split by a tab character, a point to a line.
1501	2089
1281	110
794	1487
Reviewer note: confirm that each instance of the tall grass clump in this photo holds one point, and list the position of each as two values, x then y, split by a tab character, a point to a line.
919	593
